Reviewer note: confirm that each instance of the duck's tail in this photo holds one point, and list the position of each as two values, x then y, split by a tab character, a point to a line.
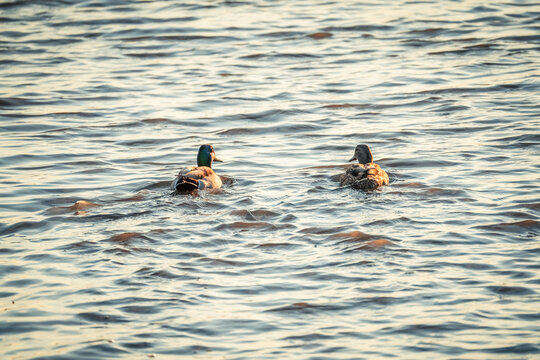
185	184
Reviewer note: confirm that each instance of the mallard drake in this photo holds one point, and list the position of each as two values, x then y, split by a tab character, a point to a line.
201	176
366	175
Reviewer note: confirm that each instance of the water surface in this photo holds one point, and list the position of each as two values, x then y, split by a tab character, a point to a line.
102	102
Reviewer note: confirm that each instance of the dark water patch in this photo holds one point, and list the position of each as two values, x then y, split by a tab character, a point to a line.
198	329
434	330
520	140
528	316
446	110
13	4
312	337
252	215
15	102
531	39
381	301
251	225
353	236
411	185
453	193
510	290
14	34
275	245
138	345
9	251
321	230
419	43
9	62
128	20
86	218
346	105
373	245
302	307
84	246
149	55
113	302
128	238
394	221
383	136
151	273
81	114
515	227
467	50
379	106
492	20
359	28
139	196
525	348
165	184
18	128
182	38
21	327
532	206
146	142
157	121
466	265
21	282
471	90
429	348
428	32
419	163
6	294
283	34
25	227
320	35
97	351
220	262
277	55
131	250
137	309
101	318
266	115
515	274
54	42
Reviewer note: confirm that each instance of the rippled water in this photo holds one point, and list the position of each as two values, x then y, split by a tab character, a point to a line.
102	102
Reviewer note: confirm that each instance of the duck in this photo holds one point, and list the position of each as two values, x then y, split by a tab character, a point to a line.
366	175
201	176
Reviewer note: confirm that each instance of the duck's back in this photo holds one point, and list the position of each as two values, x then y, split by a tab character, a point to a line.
206	175
365	177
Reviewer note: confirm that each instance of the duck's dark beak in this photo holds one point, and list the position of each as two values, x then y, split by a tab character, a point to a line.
217	159
353	158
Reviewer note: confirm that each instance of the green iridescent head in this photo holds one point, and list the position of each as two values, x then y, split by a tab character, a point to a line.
206	155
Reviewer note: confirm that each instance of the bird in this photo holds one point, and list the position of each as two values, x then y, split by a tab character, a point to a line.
366	175
201	176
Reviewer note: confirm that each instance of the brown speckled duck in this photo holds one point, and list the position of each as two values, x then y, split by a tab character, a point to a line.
366	175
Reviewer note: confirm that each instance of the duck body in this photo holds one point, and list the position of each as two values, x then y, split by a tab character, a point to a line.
366	175
201	176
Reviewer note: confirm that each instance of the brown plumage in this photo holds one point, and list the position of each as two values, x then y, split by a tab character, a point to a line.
201	176
366	175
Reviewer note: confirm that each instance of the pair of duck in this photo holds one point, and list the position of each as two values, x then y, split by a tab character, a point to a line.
366	175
